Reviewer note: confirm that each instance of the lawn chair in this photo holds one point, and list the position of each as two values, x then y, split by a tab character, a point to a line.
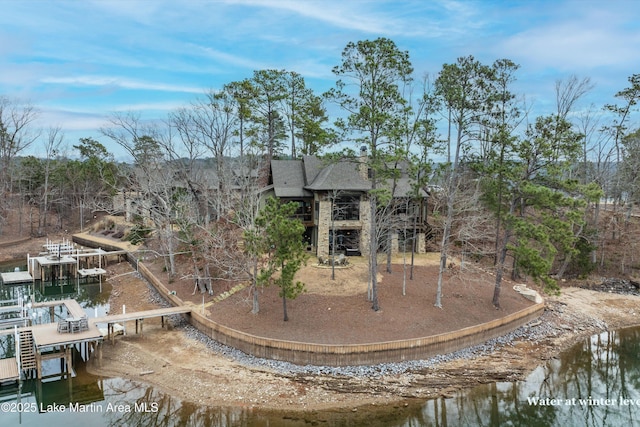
63	326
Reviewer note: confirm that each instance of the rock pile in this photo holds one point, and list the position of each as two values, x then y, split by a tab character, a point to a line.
616	286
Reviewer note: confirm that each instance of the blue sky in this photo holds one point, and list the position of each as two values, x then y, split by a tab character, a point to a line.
79	61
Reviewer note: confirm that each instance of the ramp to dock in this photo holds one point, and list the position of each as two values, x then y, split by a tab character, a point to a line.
125	317
138	316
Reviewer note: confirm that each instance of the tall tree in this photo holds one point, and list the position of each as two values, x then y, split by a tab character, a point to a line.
629	97
540	201
377	69
52	145
94	176
17	133
152	176
247	206
207	125
419	131
242	92
268	127
296	95
499	134
281	239
630	166
313	132
464	88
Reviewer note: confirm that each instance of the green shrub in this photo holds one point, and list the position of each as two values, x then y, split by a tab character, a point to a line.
137	234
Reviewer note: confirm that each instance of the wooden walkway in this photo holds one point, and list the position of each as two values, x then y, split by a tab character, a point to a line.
9	369
73	308
125	317
138	316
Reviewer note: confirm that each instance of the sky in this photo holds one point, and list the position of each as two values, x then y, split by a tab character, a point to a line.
80	61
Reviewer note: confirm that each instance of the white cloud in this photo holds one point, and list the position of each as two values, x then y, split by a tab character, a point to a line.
580	39
120	82
336	14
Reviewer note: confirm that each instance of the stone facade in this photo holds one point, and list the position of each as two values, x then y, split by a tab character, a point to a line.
312	182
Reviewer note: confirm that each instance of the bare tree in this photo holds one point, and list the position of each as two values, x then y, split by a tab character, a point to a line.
463	87
16	134
52	145
152	177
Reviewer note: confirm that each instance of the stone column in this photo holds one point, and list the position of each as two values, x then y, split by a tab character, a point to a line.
365	225
324	225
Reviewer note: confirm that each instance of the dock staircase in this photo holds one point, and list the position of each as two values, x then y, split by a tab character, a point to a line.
27	351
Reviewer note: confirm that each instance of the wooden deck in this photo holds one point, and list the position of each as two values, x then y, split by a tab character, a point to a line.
47	335
9	370
16	277
73	308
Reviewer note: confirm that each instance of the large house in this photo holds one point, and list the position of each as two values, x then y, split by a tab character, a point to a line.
333	198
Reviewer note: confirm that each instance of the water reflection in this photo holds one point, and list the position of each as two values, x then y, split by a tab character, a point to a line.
596	383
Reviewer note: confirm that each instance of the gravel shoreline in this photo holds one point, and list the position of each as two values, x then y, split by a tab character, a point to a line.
543	328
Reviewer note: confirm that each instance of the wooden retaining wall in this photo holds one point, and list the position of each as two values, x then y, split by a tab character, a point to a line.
14	242
344	355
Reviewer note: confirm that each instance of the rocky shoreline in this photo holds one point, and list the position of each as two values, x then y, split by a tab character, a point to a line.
616	286
572	316
192	367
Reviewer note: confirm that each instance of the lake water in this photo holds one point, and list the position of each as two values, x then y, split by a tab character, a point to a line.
595	383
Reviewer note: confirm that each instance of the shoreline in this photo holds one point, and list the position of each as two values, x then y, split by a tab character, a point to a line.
188	365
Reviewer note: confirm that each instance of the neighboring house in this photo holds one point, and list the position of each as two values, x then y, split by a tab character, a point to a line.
333	197
200	184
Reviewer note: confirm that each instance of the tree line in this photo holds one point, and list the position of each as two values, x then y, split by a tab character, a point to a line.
527	191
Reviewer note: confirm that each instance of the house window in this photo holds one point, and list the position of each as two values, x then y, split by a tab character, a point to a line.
346	241
346	208
303	212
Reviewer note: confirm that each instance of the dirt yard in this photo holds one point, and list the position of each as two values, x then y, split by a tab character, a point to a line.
186	368
179	364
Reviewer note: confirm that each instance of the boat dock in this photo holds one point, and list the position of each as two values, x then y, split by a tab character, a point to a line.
37	343
62	261
9	369
16	277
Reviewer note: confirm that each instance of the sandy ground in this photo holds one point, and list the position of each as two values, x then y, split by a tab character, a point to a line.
184	367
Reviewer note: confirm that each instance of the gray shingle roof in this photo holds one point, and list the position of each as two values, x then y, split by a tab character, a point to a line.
342	175
299	178
288	178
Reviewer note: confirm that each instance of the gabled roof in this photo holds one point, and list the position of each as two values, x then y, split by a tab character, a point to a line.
288	178
404	188
301	177
312	167
341	175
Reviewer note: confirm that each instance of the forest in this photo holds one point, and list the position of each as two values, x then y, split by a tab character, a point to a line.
545	197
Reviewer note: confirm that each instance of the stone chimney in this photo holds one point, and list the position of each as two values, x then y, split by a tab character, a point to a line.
363	166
